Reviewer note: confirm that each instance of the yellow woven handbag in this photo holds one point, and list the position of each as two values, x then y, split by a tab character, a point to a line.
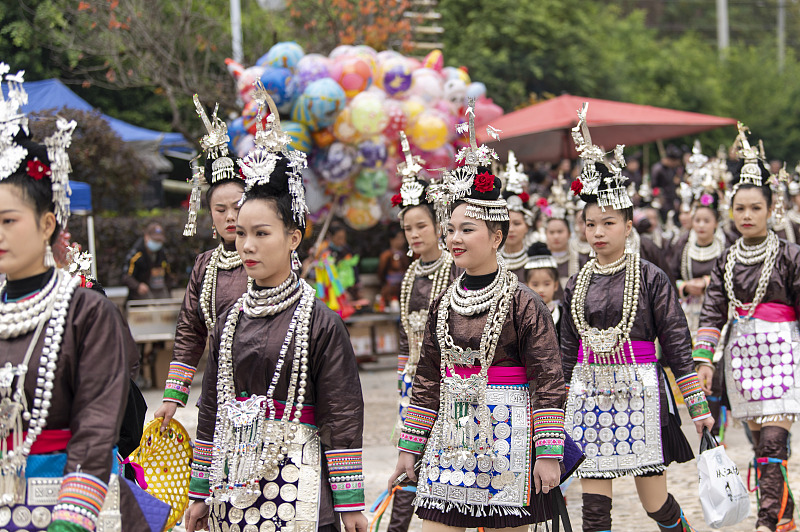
166	462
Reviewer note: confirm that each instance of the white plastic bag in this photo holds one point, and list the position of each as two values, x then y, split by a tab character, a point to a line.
723	495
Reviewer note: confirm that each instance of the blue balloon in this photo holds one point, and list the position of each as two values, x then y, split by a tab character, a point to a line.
476	90
320	104
276	81
236	130
283	55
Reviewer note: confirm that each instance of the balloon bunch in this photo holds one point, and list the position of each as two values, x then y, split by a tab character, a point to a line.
346	111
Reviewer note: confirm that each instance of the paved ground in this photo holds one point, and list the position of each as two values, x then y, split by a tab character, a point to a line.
378	384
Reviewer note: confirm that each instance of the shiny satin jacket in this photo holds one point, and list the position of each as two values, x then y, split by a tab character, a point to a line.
90	389
659	316
420	300
334	388
528	339
783	287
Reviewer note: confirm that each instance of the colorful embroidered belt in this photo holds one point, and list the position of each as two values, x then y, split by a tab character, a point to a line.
49	441
499	375
644	353
308	416
774	312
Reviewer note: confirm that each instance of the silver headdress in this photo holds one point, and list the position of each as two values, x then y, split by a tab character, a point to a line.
515	189
614	194
750	174
270	144
794	182
411	190
541	261
458	184
13	121
701	181
779	182
215	147
558	203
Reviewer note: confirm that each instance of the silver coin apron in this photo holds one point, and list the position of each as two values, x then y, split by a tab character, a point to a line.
619	432
762	370
288	498
494	483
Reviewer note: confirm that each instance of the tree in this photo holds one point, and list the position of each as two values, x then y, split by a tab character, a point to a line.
325	24
98	156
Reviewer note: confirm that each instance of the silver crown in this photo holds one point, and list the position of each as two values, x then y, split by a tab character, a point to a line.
750	173
12	120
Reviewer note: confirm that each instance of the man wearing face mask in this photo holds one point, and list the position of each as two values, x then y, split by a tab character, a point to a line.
147	272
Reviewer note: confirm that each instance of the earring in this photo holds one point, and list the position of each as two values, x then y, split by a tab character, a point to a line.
629	245
592	253
49	260
410	253
296	264
214	231
442	245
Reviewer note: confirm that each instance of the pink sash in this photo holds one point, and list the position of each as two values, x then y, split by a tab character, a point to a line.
772	312
497	374
644	353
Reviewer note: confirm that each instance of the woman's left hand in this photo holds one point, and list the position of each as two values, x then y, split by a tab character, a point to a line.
707	423
546	474
705	374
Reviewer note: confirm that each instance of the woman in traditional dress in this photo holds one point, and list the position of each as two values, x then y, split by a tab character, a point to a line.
521	218
426	278
281	413
66	355
542	277
619	407
489	380
694	255
218	277
754	299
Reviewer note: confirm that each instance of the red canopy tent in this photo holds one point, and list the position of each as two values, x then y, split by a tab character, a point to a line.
542	132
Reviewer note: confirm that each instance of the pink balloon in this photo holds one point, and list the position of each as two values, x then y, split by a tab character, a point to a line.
486	111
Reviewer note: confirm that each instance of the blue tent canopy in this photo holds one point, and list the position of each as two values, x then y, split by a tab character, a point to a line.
52	93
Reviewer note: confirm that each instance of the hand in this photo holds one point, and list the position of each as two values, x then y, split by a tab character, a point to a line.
167	411
142	289
705	374
354	522
707	423
546	474
695	287
196	516
405	464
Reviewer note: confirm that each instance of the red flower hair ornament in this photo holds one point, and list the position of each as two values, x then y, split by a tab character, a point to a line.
397	199
576	187
524	197
484	182
37	169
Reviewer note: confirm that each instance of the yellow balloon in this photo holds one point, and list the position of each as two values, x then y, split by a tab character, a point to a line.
413	107
343	128
429	132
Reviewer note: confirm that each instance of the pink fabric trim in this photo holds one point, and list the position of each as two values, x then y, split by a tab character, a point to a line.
645	353
773	312
308	417
497	374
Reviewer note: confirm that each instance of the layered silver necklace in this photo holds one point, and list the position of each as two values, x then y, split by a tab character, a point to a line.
693	252
413	323
53	301
221	259
608	345
764	253
460	392
517	260
250	444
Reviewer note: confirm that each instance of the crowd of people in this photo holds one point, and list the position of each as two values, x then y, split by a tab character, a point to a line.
534	337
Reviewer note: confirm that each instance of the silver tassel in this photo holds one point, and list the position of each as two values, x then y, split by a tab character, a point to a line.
49	260
296	264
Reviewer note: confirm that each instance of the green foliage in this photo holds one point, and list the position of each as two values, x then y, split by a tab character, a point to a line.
98	157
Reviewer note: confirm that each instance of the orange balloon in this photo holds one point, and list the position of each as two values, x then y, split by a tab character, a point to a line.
323	138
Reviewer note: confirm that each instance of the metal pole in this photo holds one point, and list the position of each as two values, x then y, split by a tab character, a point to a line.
723	31
92	248
236	30
781	34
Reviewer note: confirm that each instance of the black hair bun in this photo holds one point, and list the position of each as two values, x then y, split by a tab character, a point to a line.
765	175
603	172
35	151
490	195
538	249
278	181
